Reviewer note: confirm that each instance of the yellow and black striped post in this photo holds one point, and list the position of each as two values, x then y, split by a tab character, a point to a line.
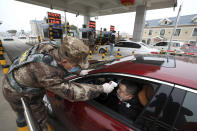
68	29
161	51
1	48
0	42
118	54
1	52
39	39
105	50
100	40
2	60
50	31
133	52
90	54
103	55
21	124
96	49
5	69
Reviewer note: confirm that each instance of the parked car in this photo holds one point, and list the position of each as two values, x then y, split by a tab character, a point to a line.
189	48
8	38
22	37
126	48
174	48
168	106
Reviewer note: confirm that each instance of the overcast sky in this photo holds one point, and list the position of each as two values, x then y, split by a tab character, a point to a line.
16	15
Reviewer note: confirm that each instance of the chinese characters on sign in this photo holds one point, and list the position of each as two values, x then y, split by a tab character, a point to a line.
54	18
55	27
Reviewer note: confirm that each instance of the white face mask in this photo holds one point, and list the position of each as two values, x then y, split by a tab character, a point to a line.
119	97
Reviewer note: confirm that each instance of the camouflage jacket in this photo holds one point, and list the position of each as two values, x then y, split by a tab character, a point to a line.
40	75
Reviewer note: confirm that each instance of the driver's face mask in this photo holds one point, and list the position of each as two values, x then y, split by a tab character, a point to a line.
121	99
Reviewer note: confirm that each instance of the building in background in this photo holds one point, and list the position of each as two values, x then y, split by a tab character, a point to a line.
36	27
162	29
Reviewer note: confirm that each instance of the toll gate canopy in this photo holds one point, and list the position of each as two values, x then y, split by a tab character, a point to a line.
93	8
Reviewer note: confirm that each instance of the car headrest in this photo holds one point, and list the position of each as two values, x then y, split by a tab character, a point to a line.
145	94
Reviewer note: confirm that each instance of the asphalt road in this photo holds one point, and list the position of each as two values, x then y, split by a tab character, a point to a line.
15	48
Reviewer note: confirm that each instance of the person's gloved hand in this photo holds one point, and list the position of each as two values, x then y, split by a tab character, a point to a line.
114	84
108	87
84	72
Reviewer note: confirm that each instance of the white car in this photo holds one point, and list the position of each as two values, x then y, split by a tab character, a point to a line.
174	48
127	47
22	37
8	38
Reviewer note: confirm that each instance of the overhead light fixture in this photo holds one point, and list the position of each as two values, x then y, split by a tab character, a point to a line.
77	14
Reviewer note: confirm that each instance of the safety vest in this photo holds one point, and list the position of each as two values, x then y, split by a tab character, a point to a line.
28	56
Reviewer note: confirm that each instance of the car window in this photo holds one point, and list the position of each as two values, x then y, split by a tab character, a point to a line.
164	44
175	44
158	44
188	113
161	44
175	113
143	95
120	44
163	110
172	107
131	45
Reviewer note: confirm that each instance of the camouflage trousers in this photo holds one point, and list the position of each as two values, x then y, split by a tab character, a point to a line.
35	102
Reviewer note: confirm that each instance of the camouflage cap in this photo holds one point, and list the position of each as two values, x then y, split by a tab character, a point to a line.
75	51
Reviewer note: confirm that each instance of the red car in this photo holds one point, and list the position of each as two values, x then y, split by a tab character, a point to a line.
170	105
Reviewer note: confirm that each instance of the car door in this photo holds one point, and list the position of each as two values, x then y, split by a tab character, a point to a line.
90	115
94	114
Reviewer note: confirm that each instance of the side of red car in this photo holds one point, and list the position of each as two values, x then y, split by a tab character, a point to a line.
168	105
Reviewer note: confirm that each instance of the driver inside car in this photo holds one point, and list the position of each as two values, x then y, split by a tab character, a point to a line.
125	100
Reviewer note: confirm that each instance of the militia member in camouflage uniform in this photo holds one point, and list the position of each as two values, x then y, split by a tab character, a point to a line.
44	67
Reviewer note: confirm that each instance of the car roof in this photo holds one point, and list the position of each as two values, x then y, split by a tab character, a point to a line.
180	70
172	41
